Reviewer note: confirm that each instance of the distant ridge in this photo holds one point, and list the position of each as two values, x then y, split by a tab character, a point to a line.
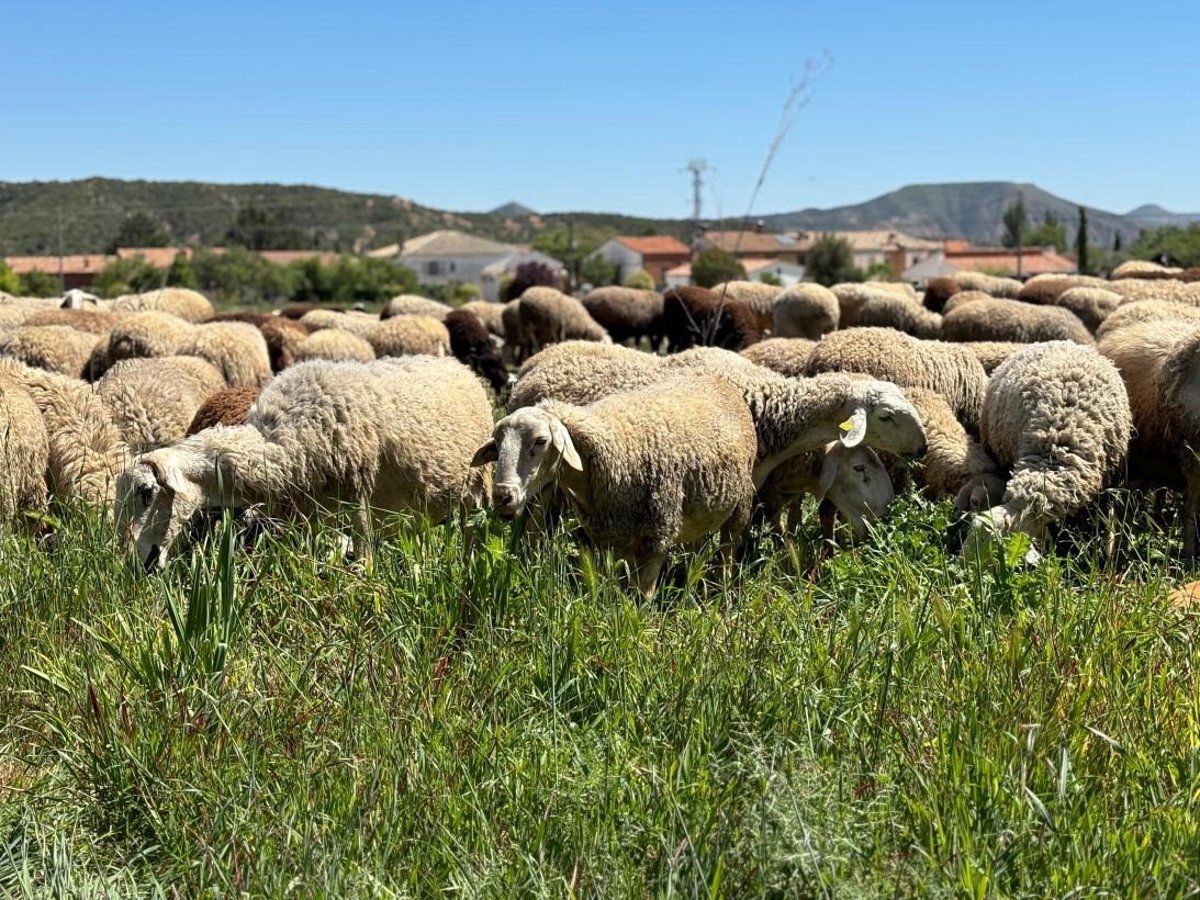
1151	214
512	208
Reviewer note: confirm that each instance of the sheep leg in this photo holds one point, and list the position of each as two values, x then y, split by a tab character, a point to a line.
361	544
735	538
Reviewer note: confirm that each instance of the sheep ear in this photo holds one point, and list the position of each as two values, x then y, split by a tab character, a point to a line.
565	446
168	476
854	429
829	473
489	452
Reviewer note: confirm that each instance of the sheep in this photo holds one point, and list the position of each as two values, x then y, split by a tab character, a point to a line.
490	314
26	449
283	337
696	316
645	470
1057	417
1013	320
55	348
414	305
147	333
1092	305
391	435
627	314
517	343
85	449
1134	289
991	353
1146	311
805	310
787	356
876	305
759	299
14	315
851	479
471	344
79	299
791	415
355	322
409	334
955	465
937	292
92	321
1045	288
228	406
1180	395
186	304
948	369
152	401
962	298
548	316
237	349
1007	288
1140	268
334	345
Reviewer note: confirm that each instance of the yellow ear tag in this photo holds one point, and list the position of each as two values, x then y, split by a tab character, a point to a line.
848	425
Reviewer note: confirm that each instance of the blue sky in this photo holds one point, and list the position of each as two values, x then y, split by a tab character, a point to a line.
599	107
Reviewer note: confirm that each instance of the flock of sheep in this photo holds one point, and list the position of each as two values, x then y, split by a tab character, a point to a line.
1021	402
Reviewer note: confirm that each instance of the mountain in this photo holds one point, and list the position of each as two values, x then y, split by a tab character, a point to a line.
1153	216
971	210
512	208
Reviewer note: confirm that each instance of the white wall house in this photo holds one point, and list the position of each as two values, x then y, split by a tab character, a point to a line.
453	257
788	273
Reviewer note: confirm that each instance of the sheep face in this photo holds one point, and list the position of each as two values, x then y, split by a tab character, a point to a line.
154	501
856	482
528	447
882	417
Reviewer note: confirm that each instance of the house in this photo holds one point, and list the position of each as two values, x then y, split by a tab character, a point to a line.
892	248
992	260
454	257
76	270
755	244
654	253
787	273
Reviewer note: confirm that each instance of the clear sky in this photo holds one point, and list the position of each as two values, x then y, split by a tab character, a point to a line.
575	106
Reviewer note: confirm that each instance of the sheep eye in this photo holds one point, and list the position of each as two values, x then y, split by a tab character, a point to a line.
886	416
860	469
541	442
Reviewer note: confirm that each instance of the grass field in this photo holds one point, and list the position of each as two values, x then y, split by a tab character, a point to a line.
510	722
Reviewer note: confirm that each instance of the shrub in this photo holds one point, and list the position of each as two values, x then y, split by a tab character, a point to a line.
831	261
715	266
640	279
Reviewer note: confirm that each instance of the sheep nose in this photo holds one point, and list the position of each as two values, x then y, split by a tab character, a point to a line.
504	496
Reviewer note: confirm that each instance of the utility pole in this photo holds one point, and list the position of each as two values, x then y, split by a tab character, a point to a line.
697	167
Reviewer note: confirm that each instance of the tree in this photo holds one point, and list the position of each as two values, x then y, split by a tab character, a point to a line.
140	230
771	278
1081	242
597	271
258	229
39	284
1015	223
1051	233
1179	246
181	273
880	271
10	283
1117	242
531	274
831	261
127	276
715	266
640	279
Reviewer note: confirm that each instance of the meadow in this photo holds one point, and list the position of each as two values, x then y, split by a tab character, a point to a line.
495	715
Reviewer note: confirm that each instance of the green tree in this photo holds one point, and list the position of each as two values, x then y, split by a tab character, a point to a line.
1015	223
714	266
1117	242
465	293
830	260
1181	246
140	230
1051	233
259	229
10	283
181	273
38	284
640	279
1081	243
597	271
771	278
127	276
879	271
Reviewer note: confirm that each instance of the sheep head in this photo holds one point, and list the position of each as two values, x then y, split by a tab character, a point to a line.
855	480
156	498
528	447
880	416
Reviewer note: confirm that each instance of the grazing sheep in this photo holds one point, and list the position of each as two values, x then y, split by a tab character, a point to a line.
805	310
548	316
414	305
334	345
298	311
93	321
55	348
183	303
354	322
898	312
78	299
581	372
1092	305
1007	288
646	470
694	316
85	449
228	406
938	291
1058	418
962	298
627	314
787	356
1013	320
1134	289
991	353
1140	268
152	401
406	335
471	344
759	299
852	479
955	465
1046	288
237	349
14	315
390	435
26	449
517	344
143	334
490	314
283	337
1146	311
947	369
1179	392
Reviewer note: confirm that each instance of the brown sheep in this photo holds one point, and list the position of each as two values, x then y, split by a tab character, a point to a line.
695	316
938	291
471	344
628	314
226	407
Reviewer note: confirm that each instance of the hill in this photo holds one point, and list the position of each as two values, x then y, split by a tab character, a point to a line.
972	210
1153	216
512	208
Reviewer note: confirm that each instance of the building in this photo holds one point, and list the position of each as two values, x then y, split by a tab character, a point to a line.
787	273
76	270
895	249
755	244
454	257
654	253
991	260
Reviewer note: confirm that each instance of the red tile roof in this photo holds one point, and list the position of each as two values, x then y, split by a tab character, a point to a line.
1034	260
656	245
74	264
159	257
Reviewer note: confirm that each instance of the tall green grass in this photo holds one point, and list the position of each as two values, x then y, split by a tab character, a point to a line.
507	720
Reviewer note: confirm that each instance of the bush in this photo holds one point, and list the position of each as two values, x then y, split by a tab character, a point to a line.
598	271
9	282
181	273
879	271
714	266
771	278
465	293
127	276
38	284
640	279
831	261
